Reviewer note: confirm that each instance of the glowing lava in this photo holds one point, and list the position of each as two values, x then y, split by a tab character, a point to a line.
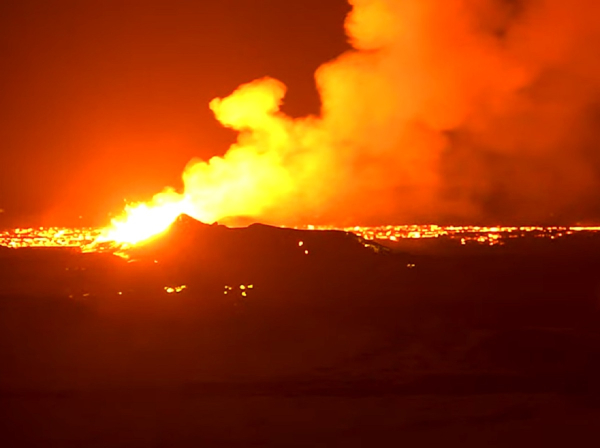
143	221
126	233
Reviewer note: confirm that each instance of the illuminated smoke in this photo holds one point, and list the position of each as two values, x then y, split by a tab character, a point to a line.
466	109
443	110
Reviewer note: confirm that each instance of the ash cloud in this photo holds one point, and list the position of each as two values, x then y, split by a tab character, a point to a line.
445	110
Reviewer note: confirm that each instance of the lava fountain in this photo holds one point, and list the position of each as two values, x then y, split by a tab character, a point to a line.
437	107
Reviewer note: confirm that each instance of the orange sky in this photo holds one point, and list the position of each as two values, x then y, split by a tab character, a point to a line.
108	99
461	111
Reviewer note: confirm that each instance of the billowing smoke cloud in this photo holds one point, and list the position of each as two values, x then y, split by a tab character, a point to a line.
445	110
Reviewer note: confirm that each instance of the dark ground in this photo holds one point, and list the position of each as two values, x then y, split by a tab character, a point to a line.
432	343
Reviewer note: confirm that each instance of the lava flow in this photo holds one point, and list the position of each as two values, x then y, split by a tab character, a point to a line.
89	239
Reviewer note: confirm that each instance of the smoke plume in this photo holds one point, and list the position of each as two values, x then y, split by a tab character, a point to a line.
444	110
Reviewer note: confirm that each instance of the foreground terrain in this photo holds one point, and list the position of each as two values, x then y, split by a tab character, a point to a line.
274	337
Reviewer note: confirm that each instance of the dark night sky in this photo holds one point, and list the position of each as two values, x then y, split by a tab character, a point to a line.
108	99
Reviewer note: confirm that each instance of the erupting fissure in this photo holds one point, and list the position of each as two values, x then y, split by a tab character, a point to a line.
455	108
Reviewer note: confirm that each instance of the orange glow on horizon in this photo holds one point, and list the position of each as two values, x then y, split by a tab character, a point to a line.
90	240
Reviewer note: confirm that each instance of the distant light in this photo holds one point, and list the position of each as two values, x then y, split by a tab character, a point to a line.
175	289
300	243
305	252
243	289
